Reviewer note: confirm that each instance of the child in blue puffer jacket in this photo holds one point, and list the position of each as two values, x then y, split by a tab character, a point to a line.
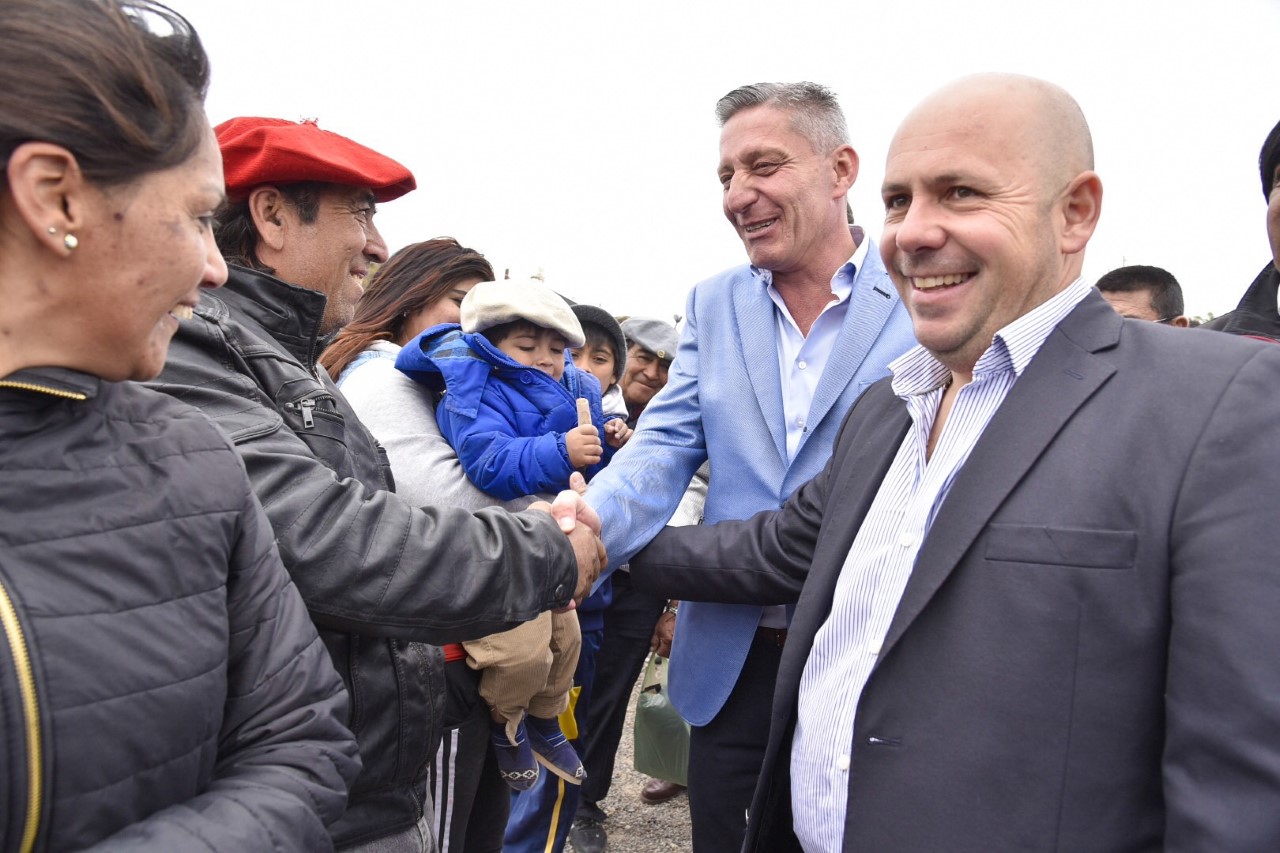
510	411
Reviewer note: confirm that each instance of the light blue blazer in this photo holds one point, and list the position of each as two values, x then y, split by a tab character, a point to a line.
723	401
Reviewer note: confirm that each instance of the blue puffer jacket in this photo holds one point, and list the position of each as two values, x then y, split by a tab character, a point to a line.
507	422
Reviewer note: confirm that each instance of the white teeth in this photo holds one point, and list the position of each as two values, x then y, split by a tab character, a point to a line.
932	281
183	312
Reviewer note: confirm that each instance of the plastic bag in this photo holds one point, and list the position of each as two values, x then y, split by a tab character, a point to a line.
661	734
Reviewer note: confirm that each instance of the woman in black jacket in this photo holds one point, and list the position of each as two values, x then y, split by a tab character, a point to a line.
161	686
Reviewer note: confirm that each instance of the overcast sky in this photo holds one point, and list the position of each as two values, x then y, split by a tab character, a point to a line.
577	138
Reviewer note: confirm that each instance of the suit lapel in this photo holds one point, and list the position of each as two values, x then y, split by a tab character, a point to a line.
753	312
1058	381
870	305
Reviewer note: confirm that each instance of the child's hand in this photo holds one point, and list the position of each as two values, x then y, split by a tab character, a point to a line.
583	444
616	432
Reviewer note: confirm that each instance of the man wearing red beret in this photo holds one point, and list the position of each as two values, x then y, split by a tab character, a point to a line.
380	578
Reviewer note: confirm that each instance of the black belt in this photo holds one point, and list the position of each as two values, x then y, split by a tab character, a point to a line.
777	636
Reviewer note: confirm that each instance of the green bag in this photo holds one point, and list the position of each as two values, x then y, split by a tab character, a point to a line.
661	734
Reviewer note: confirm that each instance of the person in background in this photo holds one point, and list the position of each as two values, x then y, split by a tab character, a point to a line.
161	681
1258	315
382	577
772	356
1036	590
420	286
603	355
1142	292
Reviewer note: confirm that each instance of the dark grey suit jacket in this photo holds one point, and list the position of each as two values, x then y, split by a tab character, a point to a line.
1087	654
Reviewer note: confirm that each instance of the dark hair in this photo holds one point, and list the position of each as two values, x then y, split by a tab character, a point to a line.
237	236
499	333
1166	293
96	78
416	277
1269	159
815	112
596	336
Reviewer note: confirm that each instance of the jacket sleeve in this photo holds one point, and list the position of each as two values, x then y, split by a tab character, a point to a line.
285	757
363	559
498	460
1222	696
760	560
641	487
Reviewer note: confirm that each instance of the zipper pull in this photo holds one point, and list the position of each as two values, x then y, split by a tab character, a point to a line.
308	413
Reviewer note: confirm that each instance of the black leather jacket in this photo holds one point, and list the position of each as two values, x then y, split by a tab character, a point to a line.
379	577
161	687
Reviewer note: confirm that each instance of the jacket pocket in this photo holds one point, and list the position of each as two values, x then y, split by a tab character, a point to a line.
1070	547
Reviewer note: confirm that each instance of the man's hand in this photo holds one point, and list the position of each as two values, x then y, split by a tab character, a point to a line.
581	524
664	634
583	444
570	510
590	552
616	432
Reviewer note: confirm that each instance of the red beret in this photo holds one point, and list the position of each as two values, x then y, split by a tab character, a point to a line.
257	151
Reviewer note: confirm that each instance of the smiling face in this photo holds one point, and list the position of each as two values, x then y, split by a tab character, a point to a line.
536	347
331	254
645	375
981	223
785	200
145	253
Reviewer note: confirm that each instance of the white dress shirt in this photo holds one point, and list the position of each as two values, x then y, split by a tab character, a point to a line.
879	564
802	359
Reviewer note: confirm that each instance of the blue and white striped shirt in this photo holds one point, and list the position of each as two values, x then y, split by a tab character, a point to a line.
876	571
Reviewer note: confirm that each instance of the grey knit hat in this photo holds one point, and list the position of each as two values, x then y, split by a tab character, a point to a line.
492	303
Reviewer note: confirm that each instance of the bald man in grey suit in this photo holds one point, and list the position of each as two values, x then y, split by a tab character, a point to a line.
1038	593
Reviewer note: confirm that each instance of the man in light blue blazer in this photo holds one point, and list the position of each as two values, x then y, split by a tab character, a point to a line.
772	356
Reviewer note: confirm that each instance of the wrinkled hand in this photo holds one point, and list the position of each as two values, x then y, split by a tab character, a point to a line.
616	432
664	634
591	556
583	444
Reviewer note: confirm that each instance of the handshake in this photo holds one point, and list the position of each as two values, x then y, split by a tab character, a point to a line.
581	524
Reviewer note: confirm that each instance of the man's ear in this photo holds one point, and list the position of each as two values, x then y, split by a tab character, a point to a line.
49	192
1081	206
845	163
1181	321
267	207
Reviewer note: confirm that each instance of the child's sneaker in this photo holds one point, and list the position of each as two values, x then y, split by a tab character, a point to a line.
516	763
553	749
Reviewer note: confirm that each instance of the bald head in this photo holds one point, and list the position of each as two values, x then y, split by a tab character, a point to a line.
1048	123
990	198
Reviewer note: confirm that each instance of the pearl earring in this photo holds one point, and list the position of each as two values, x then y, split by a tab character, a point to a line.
70	242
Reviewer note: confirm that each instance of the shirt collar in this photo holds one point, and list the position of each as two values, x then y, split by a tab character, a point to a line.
917	372
841	282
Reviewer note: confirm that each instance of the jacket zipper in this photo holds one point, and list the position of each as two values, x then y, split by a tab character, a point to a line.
44	389
31	712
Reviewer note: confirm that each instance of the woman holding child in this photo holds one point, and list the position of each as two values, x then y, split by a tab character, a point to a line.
509	358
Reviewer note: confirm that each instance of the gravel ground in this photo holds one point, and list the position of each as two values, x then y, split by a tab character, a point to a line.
633	825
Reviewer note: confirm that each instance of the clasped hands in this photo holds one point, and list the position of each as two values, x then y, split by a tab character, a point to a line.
581	524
